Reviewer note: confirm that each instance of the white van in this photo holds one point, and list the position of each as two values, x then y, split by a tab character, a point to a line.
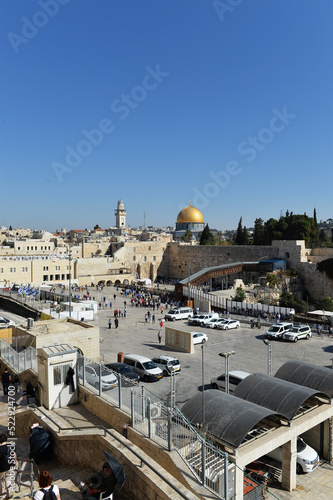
179	313
144	367
276	331
235	378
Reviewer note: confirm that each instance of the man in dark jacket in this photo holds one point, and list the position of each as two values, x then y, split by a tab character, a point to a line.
6	378
102	484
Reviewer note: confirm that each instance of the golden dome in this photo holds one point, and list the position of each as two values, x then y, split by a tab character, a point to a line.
190	214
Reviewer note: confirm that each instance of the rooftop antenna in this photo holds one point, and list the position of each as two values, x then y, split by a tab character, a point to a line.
144	220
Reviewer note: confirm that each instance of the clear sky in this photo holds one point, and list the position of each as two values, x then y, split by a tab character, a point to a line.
226	103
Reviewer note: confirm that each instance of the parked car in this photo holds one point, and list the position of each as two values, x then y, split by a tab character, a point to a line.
168	364
194	320
144	367
108	379
235	377
307	457
179	313
219	322
298	332
212	322
129	377
4	323
199	338
276	331
228	324
202	319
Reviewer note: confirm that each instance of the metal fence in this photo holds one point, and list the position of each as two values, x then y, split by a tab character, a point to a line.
113	387
169	428
219	302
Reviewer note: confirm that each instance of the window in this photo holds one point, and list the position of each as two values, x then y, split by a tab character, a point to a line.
134	258
18	248
154	258
2	269
56	375
145	258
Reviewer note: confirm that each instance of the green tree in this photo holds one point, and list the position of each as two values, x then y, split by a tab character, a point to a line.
10	228
187	236
96	227
239	236
314	233
326	304
246	238
259	232
240	295
288	299
272	280
323	238
206	237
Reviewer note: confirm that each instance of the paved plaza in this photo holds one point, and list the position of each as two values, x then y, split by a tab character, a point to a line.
135	335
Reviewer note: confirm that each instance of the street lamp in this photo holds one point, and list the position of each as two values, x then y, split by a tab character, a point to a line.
226	355
269	364
70	281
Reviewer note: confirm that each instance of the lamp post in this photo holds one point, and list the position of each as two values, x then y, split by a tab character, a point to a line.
203	386
70	281
226	356
269	363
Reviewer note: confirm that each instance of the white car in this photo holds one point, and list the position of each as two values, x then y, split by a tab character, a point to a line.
4	323
168	364
298	332
228	324
307	457
212	322
199	338
108	379
235	377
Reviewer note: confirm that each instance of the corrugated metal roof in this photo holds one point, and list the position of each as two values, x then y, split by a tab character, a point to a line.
276	394
226	417
305	374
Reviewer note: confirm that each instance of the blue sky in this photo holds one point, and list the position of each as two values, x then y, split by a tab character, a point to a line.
226	103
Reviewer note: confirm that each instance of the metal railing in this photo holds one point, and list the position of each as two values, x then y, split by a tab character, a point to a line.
32	473
19	361
106	432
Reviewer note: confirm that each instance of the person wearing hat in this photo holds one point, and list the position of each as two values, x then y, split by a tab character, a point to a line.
101	485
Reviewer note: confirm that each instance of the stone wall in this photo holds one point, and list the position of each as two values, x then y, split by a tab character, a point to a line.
68	331
86	450
187	259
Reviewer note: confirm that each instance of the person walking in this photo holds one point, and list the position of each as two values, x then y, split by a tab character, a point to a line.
159	336
45	483
116	322
110	324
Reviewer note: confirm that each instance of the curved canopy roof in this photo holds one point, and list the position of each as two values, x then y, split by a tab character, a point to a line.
276	394
227	417
305	374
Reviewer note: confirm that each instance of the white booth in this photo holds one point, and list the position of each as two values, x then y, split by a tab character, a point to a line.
57	377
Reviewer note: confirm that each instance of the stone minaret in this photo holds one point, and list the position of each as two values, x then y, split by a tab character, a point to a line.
120	214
